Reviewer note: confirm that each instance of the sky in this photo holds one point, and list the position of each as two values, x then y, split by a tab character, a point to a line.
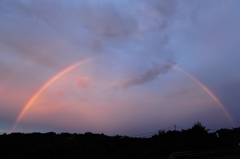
118	67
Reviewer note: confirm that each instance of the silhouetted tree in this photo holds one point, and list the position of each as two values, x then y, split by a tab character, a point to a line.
198	128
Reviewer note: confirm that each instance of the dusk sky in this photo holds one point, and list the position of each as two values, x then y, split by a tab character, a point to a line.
118	66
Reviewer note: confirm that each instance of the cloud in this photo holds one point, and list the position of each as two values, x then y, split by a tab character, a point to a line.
38	39
165	7
161	14
108	19
97	45
82	82
150	75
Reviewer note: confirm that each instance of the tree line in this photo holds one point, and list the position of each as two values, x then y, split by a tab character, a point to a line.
89	145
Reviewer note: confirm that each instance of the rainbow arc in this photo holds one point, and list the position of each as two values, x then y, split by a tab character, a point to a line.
57	76
210	93
46	85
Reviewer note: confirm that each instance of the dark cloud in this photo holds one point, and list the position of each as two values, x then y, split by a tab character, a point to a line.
162	13
50	30
107	20
26	35
165	7
163	24
164	40
148	76
97	45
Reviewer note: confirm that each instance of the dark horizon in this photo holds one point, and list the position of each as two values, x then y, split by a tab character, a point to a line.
191	143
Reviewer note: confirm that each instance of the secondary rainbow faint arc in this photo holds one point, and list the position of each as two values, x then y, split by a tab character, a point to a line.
54	78
208	92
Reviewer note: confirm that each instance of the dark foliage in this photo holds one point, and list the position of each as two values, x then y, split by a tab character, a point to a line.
88	145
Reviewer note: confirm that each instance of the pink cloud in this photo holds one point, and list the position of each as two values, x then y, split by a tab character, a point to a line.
82	82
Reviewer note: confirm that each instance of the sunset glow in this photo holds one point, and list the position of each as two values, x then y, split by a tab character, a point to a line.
45	86
124	67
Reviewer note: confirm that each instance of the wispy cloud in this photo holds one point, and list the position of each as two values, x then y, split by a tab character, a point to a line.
150	75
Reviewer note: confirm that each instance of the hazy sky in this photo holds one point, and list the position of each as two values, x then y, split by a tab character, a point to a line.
146	65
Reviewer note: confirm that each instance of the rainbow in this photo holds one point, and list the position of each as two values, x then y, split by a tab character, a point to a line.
214	97
46	85
54	78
